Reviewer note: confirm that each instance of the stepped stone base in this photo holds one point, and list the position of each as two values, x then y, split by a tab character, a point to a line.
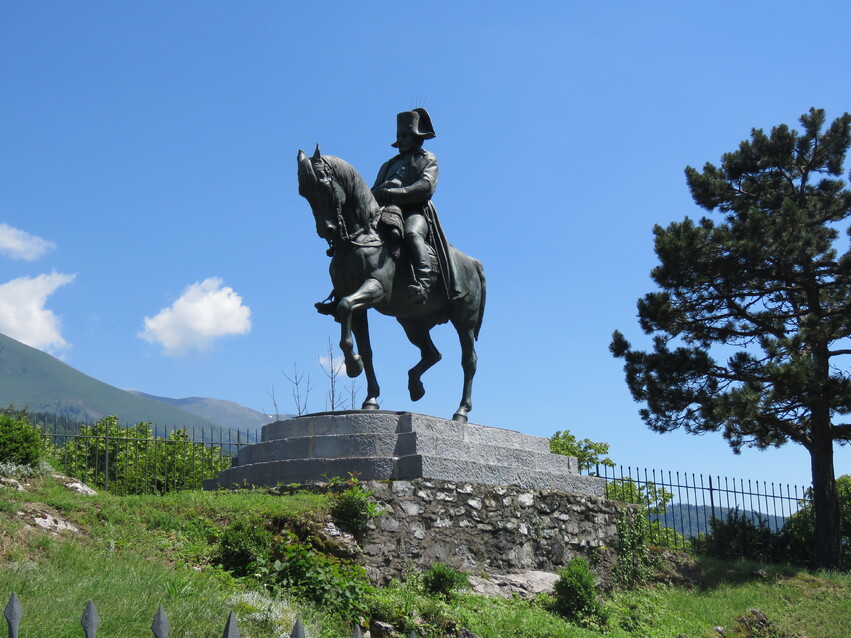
384	445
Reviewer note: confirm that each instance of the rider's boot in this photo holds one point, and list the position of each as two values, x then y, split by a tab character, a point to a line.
327	306
422	268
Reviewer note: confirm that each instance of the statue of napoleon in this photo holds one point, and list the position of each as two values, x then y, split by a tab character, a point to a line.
370	231
408	181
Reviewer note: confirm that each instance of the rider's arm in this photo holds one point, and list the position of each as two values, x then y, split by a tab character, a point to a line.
421	190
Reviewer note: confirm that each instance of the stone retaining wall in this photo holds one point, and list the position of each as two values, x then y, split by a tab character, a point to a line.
484	528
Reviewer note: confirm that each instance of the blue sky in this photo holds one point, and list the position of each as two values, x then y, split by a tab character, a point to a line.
152	235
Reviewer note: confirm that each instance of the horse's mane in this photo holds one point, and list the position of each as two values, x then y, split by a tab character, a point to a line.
359	195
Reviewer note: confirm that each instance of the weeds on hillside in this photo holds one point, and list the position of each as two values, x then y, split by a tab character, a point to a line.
138	552
352	508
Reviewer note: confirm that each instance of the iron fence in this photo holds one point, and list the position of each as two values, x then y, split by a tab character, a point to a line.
90	621
147	459
686	502
144	459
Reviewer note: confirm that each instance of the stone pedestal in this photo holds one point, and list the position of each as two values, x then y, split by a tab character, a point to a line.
385	445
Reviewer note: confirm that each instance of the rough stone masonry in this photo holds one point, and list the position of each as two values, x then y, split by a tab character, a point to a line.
483	528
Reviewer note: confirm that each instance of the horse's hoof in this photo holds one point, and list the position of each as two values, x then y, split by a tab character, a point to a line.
415	386
369	404
417	390
354	366
459	418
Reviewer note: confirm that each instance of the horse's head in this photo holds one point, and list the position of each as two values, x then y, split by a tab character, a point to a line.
317	185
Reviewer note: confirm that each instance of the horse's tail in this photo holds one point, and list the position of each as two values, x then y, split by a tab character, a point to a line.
481	272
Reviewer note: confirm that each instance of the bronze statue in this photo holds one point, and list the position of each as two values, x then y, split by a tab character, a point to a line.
371	266
408	181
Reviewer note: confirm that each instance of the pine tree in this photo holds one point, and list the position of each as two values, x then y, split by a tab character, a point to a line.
752	319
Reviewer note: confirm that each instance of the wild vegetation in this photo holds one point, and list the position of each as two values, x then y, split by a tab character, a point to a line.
201	554
272	557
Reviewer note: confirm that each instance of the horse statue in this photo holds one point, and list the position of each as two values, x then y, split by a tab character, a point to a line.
369	269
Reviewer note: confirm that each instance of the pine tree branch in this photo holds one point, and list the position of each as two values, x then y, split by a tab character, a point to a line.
841	432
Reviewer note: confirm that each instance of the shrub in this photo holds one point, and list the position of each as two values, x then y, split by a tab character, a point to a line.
654	500
20	441
338	586
738	536
587	452
443	581
574	594
280	561
353	508
796	541
635	562
139	463
16	471
244	547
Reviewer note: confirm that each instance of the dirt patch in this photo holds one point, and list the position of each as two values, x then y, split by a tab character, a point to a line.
679	569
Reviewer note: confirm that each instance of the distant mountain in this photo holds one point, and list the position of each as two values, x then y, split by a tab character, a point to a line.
36	380
226	413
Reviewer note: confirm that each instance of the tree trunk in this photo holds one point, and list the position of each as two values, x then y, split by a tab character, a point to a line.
825	498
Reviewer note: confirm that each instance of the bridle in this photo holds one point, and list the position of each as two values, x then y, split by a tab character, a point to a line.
362	236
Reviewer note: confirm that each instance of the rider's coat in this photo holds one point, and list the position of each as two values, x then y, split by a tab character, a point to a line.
413	178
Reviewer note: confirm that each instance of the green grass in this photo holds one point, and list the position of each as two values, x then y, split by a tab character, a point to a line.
136	553
126	588
797	602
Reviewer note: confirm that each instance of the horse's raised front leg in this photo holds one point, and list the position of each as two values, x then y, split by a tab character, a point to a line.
370	293
469	360
360	328
417	331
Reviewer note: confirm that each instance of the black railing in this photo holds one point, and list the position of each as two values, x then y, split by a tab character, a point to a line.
144	459
686	502
147	459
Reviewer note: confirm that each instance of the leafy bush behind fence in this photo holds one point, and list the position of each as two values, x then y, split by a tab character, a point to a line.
134	460
682	505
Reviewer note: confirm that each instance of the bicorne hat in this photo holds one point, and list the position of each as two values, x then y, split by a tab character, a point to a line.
417	121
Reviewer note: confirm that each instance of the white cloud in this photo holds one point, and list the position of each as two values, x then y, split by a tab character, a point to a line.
23	315
204	312
325	364
19	244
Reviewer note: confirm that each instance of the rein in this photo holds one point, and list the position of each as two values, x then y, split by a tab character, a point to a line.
360	237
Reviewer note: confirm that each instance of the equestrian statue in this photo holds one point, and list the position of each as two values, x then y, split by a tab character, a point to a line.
388	252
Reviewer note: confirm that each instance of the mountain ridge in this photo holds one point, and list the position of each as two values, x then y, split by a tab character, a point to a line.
226	413
42	383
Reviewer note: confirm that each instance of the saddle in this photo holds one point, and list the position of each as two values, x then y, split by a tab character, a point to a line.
391	224
391	229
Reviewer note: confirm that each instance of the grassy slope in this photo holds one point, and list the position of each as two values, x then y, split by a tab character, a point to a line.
139	552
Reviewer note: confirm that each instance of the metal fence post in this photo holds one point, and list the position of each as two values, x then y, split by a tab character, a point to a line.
13	614
231	630
711	497
90	620
106	457
160	626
